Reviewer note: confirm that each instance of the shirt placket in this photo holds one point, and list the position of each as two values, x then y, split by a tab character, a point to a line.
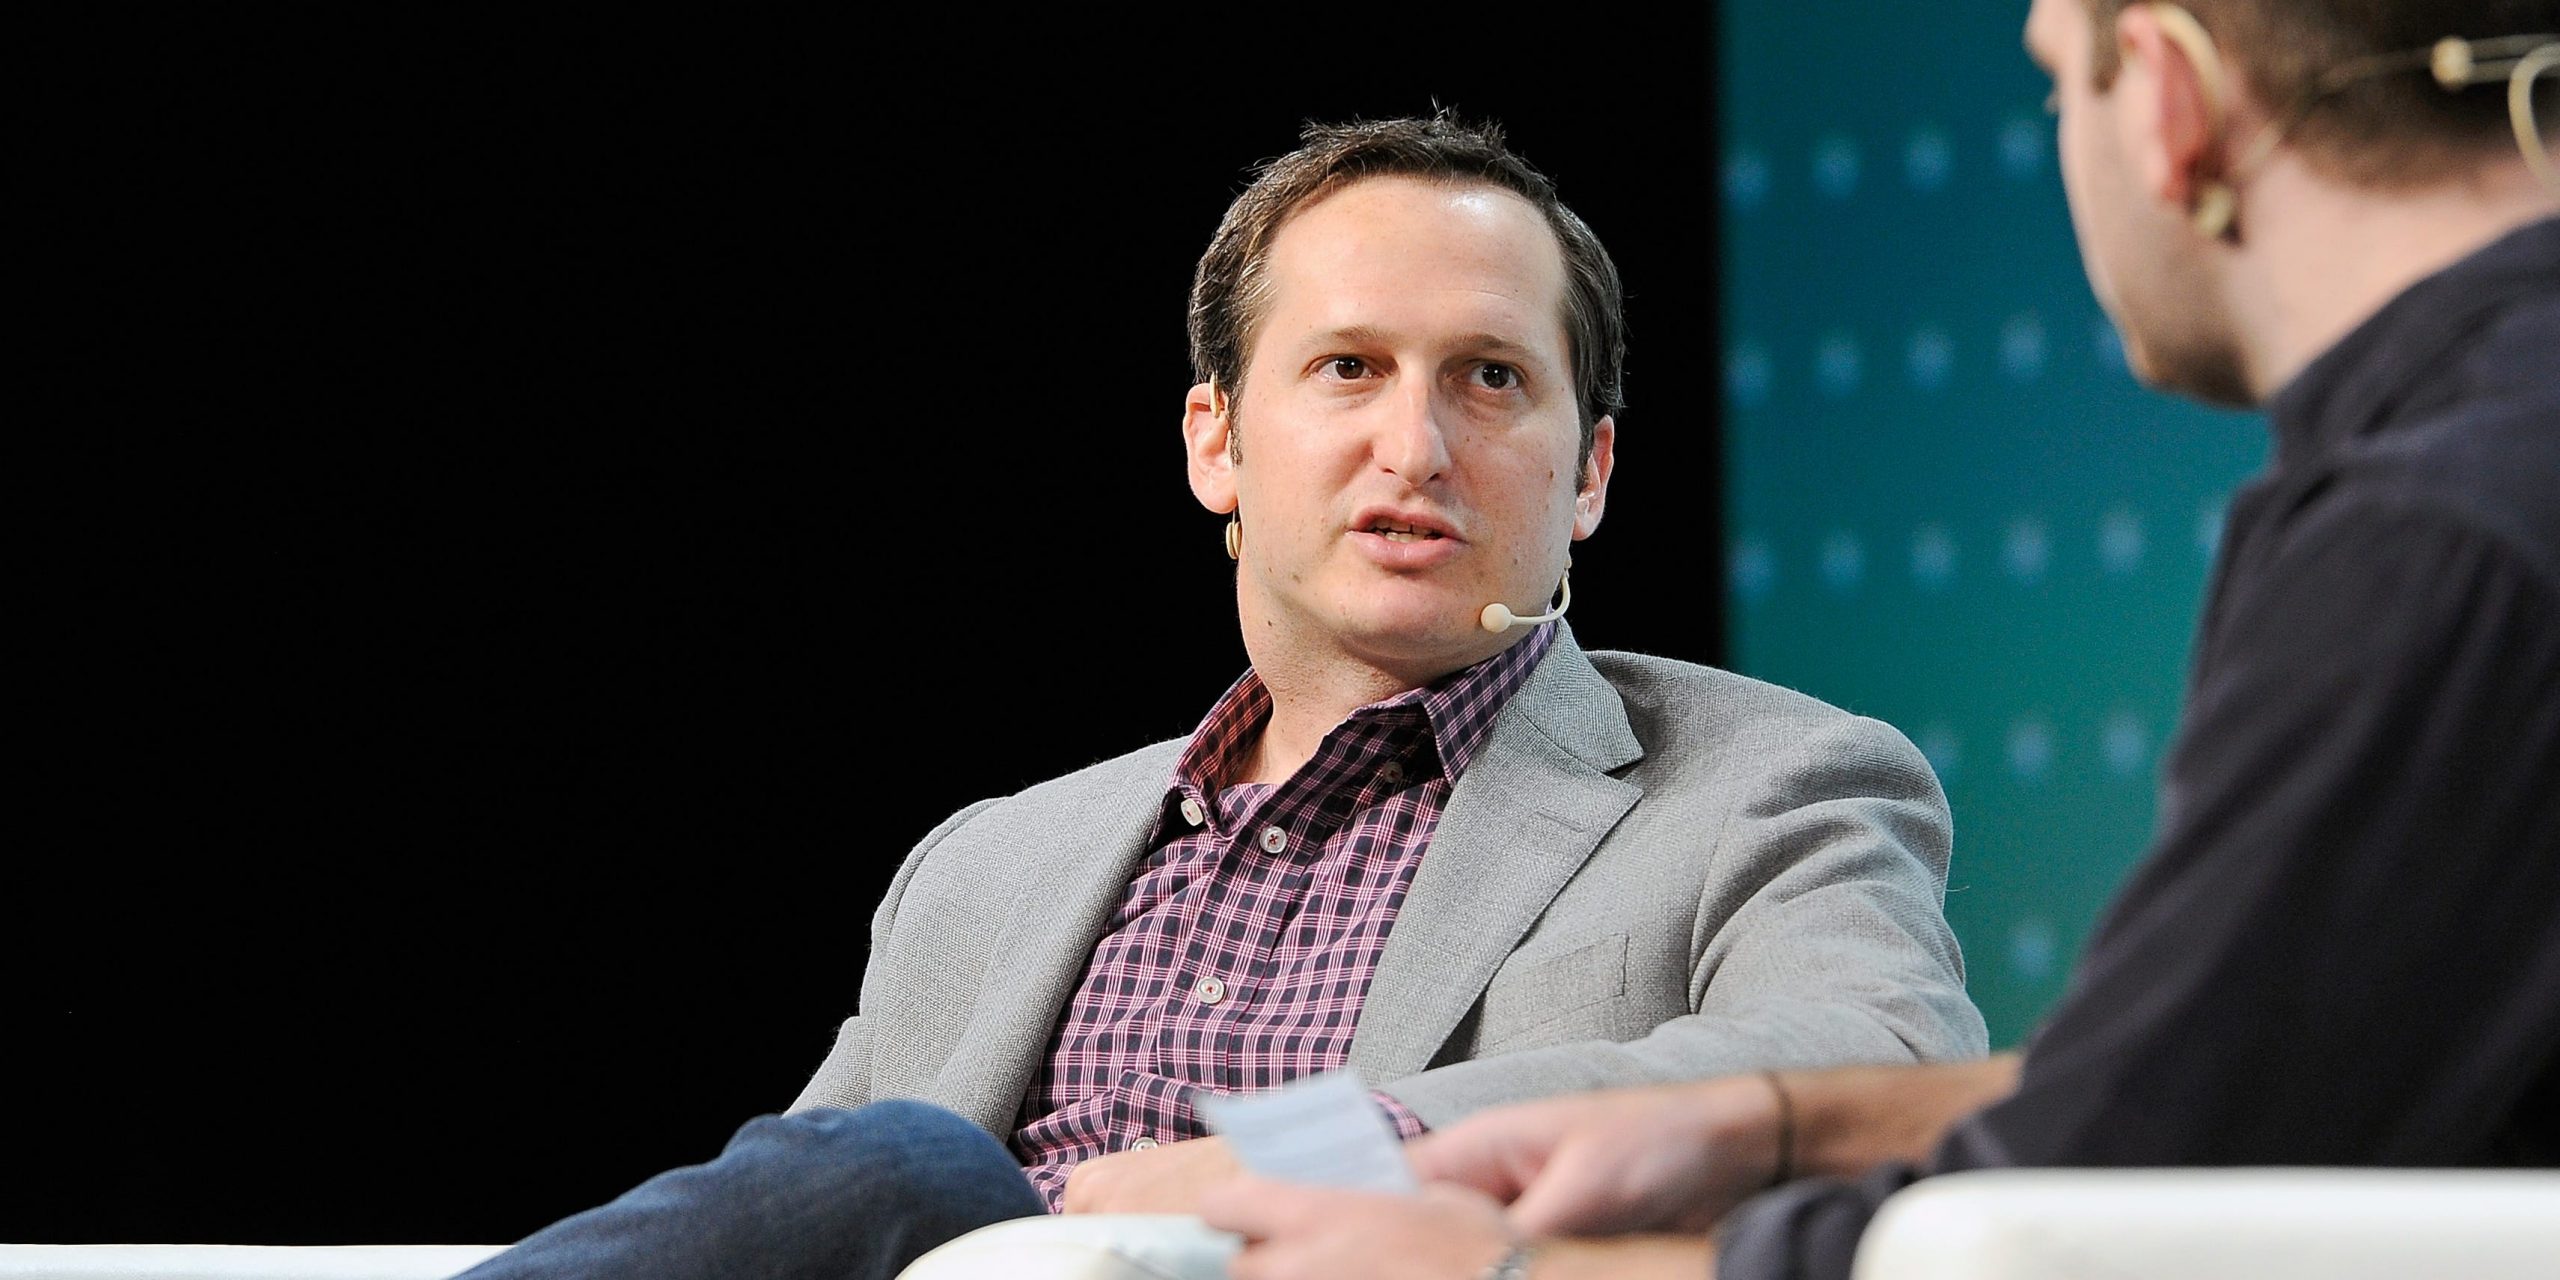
1299	844
1268	858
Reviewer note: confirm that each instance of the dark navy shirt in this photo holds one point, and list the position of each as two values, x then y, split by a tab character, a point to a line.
2343	947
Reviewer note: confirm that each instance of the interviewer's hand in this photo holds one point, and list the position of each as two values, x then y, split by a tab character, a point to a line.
1297	1232
1669	1158
1165	1179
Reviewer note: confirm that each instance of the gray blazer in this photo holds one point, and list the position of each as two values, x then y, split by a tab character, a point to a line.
1651	871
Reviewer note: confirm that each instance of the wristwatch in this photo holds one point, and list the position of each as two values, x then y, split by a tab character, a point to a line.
1512	1265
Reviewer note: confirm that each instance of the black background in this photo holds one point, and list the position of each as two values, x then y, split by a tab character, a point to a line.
545	518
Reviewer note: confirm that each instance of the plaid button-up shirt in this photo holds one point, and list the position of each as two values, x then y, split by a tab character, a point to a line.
1240	954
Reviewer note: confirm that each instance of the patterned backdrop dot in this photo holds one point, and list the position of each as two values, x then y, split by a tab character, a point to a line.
1951	506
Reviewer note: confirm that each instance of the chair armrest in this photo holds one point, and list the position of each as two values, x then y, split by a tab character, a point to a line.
1083	1246
2217	1224
238	1261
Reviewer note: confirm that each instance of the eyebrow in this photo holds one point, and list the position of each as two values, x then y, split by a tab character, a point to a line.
1499	345
1359	335
1350	335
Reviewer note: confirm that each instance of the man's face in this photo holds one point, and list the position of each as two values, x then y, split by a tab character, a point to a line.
1408	430
2150	273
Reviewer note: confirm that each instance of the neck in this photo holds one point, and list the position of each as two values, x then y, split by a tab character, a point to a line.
1305	706
1316	685
2321	258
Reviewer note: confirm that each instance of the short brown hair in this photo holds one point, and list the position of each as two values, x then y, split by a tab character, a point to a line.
1229	289
2399	129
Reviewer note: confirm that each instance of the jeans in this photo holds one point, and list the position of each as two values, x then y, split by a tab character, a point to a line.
817	1195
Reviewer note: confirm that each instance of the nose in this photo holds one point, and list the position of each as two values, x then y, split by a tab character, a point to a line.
1411	440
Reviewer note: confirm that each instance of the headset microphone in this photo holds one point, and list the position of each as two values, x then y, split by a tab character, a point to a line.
1498	617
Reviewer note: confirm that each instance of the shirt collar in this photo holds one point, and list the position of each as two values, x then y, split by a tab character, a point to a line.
2363	381
1460	707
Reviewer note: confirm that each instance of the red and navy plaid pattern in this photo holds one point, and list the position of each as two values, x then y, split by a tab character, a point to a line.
1239	956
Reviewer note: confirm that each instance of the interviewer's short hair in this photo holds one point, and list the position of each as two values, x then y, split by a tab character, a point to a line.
2382	131
1230	289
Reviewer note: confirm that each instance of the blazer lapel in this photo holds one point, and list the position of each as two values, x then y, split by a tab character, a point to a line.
1532	805
1055	922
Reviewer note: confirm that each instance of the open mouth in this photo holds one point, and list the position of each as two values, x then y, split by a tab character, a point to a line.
1394	532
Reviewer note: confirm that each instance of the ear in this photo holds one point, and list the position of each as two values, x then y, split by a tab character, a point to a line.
1208	427
2171	102
1594	494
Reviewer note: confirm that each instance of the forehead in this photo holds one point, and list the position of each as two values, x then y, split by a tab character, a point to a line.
1401	248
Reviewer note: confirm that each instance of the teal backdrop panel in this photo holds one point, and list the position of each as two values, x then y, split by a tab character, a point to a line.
1950	506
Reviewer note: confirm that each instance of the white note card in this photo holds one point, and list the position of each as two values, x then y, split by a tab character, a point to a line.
1323	1129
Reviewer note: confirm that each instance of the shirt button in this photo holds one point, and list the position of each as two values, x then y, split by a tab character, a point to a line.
1142	1144
1193	813
1210	990
1391	772
1274	839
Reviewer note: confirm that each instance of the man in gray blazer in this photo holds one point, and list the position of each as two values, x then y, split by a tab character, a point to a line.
1652	871
1426	836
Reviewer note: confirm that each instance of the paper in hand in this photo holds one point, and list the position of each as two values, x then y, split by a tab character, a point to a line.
1324	1129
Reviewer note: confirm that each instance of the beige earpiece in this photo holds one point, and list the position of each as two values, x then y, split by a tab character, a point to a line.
2216	201
2457	64
2454	62
2193	40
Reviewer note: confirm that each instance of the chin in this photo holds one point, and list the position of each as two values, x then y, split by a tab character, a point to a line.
1415	631
1425	633
2177	336
2199	372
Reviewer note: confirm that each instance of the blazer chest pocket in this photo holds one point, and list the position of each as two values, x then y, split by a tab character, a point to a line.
1530	991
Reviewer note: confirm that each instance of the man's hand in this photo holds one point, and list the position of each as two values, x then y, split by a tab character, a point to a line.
1656	1158
1297	1232
1165	1179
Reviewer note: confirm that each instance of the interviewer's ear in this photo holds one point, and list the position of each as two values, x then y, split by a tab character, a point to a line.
2172	104
1208	437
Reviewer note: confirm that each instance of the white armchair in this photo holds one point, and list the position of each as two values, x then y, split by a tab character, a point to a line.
2010	1224
2218	1224
238	1261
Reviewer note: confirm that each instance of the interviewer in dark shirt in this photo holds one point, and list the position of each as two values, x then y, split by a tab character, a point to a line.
2343	946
